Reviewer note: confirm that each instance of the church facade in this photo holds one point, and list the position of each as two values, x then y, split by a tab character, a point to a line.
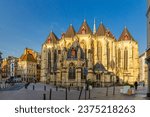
89	55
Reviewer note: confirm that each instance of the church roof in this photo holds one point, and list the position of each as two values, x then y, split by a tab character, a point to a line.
101	31
52	38
70	32
125	36
99	67
28	57
86	27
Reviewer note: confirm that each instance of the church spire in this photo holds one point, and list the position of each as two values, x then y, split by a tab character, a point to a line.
94	27
85	28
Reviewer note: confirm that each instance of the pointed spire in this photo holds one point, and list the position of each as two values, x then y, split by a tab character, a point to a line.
85	27
94	27
70	32
101	31
52	38
125	36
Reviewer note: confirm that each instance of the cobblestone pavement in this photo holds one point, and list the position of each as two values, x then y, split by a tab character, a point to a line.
73	94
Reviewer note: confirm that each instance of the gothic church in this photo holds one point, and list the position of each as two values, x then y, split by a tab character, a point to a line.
89	55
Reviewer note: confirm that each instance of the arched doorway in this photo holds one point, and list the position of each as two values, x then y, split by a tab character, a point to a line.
72	71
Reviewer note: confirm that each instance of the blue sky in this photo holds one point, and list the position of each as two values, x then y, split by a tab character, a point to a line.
27	23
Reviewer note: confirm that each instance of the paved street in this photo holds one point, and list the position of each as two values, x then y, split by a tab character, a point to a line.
18	92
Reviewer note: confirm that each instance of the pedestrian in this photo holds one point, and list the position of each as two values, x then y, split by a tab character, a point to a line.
136	85
25	86
143	84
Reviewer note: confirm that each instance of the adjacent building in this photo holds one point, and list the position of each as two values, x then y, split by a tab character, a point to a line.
9	67
89	55
143	69
5	68
13	67
28	65
148	45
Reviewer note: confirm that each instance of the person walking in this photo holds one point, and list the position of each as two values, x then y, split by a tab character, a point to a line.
136	85
143	84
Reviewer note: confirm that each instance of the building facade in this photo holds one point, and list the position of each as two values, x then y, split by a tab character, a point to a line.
9	67
13	67
89	55
5	68
143	77
148	45
27	65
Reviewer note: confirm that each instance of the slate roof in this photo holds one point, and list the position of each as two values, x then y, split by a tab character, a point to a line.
86	27
101	31
99	67
52	38
70	32
125	36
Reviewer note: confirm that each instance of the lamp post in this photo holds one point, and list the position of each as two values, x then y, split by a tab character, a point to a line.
86	83
112	75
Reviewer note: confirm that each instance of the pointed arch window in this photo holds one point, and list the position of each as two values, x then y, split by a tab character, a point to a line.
119	58
116	55
55	60
108	55
125	59
55	56
49	61
72	71
99	51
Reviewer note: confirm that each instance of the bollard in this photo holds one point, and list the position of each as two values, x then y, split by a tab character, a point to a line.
50	94
33	87
66	94
44	88
78	88
107	91
89	94
56	88
85	93
44	96
80	93
69	88
114	90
